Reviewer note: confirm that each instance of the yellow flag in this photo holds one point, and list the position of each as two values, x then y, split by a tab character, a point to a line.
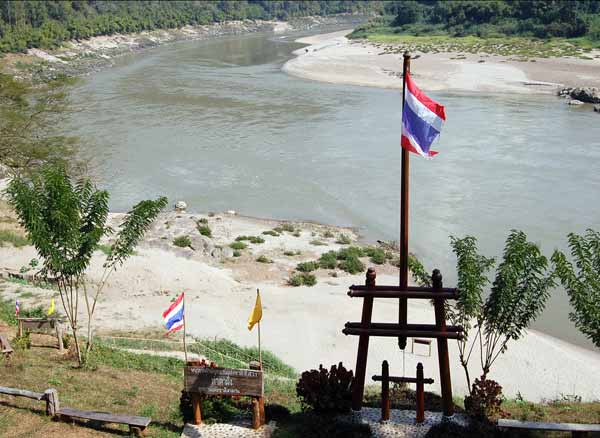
256	314
52	307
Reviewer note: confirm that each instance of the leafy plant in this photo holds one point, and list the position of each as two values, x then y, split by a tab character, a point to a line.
271	233
237	253
485	400
328	260
204	229
238	245
377	255
302	278
307	266
182	241
326	391
289	253
22	342
352	265
328	234
264	259
285	227
65	223
251	239
343	240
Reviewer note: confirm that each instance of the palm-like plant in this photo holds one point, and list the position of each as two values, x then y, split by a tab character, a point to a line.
65	222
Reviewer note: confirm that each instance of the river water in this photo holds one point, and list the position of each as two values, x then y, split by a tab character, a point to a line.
218	124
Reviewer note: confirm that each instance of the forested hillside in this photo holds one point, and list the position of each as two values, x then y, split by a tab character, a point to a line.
32	23
491	18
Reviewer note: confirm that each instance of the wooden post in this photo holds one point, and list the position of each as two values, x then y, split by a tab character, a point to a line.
261	405
420	394
20	330
363	345
59	335
52	403
256	417
385	391
404	191
442	344
196	408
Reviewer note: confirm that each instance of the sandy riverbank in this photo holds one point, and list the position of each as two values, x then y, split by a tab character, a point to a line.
301	324
334	58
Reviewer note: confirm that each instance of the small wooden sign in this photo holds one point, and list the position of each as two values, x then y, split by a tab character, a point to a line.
224	381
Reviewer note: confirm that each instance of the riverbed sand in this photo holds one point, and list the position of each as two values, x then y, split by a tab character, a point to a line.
334	58
302	325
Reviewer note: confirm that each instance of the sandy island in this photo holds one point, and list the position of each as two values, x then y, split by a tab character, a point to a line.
301	324
334	58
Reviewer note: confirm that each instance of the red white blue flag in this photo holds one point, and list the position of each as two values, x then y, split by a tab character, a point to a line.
173	316
422	120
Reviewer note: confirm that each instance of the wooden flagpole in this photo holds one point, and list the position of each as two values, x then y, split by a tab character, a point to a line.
404	190
184	333
259	350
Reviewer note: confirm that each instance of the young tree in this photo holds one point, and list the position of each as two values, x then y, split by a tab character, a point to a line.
65	223
518	295
582	282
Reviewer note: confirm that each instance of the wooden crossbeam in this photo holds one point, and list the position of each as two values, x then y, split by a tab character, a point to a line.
396	326
384	332
424	293
396	379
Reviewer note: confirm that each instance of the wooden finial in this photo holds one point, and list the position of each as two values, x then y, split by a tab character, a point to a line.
371	276
436	279
407	55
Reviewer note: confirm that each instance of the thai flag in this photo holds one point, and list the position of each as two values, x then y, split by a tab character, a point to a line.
173	316
422	120
17	308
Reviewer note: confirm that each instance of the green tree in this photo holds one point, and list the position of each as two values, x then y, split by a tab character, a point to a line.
518	295
30	116
65	222
582	281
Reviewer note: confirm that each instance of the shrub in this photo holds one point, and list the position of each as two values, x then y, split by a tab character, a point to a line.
264	259
204	229
377	255
296	233
343	240
251	239
326	392
238	245
317	242
303	278
289	253
203	221
286	227
352	265
485	400
182	241
271	233
237	253
350	252
307	266
328	234
22	342
11	237
328	260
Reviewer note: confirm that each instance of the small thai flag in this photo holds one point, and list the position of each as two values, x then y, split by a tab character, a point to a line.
17	308
173	316
422	120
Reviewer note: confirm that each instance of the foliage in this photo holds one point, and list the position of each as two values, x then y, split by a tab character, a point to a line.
352	265
484	400
418	271
47	24
237	253
182	241
317	242
582	281
9	236
285	227
65	222
21	342
238	245
343	240
251	239
302	278
377	255
326	391
7	312
263	259
496	18
289	253
307	266
204	229
30	120
271	233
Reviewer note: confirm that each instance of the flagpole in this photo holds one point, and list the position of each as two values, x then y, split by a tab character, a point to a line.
259	350
404	191
184	333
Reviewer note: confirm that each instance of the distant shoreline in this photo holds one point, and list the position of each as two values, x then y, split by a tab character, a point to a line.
334	58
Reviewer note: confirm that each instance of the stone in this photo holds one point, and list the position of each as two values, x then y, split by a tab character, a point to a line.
597	108
586	94
575	102
180	206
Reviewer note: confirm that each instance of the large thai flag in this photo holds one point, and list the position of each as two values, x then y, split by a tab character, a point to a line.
422	120
173	316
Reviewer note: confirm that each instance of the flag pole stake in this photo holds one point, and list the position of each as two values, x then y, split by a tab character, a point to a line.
184	333
259	350
404	192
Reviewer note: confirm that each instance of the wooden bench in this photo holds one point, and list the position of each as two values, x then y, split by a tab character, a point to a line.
5	347
577	430
137	425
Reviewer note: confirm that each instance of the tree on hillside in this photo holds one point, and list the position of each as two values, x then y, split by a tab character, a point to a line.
518	295
30	120
65	222
582	281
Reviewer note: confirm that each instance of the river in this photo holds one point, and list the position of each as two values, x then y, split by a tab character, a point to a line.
218	124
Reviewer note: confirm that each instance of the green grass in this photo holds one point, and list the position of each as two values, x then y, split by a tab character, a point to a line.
182	241
238	245
17	240
106	249
343	240
251	239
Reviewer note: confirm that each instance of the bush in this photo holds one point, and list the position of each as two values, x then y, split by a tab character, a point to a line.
307	266
350	252
377	255
317	242
485	400
343	240
251	239
326	392
21	342
286	227
204	230
302	278
237	253
328	234
352	265
182	241
271	233
289	253
328	260
203	221
238	245
264	259
11	237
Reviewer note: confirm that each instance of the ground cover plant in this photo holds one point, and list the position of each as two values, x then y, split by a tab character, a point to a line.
251	239
182	241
